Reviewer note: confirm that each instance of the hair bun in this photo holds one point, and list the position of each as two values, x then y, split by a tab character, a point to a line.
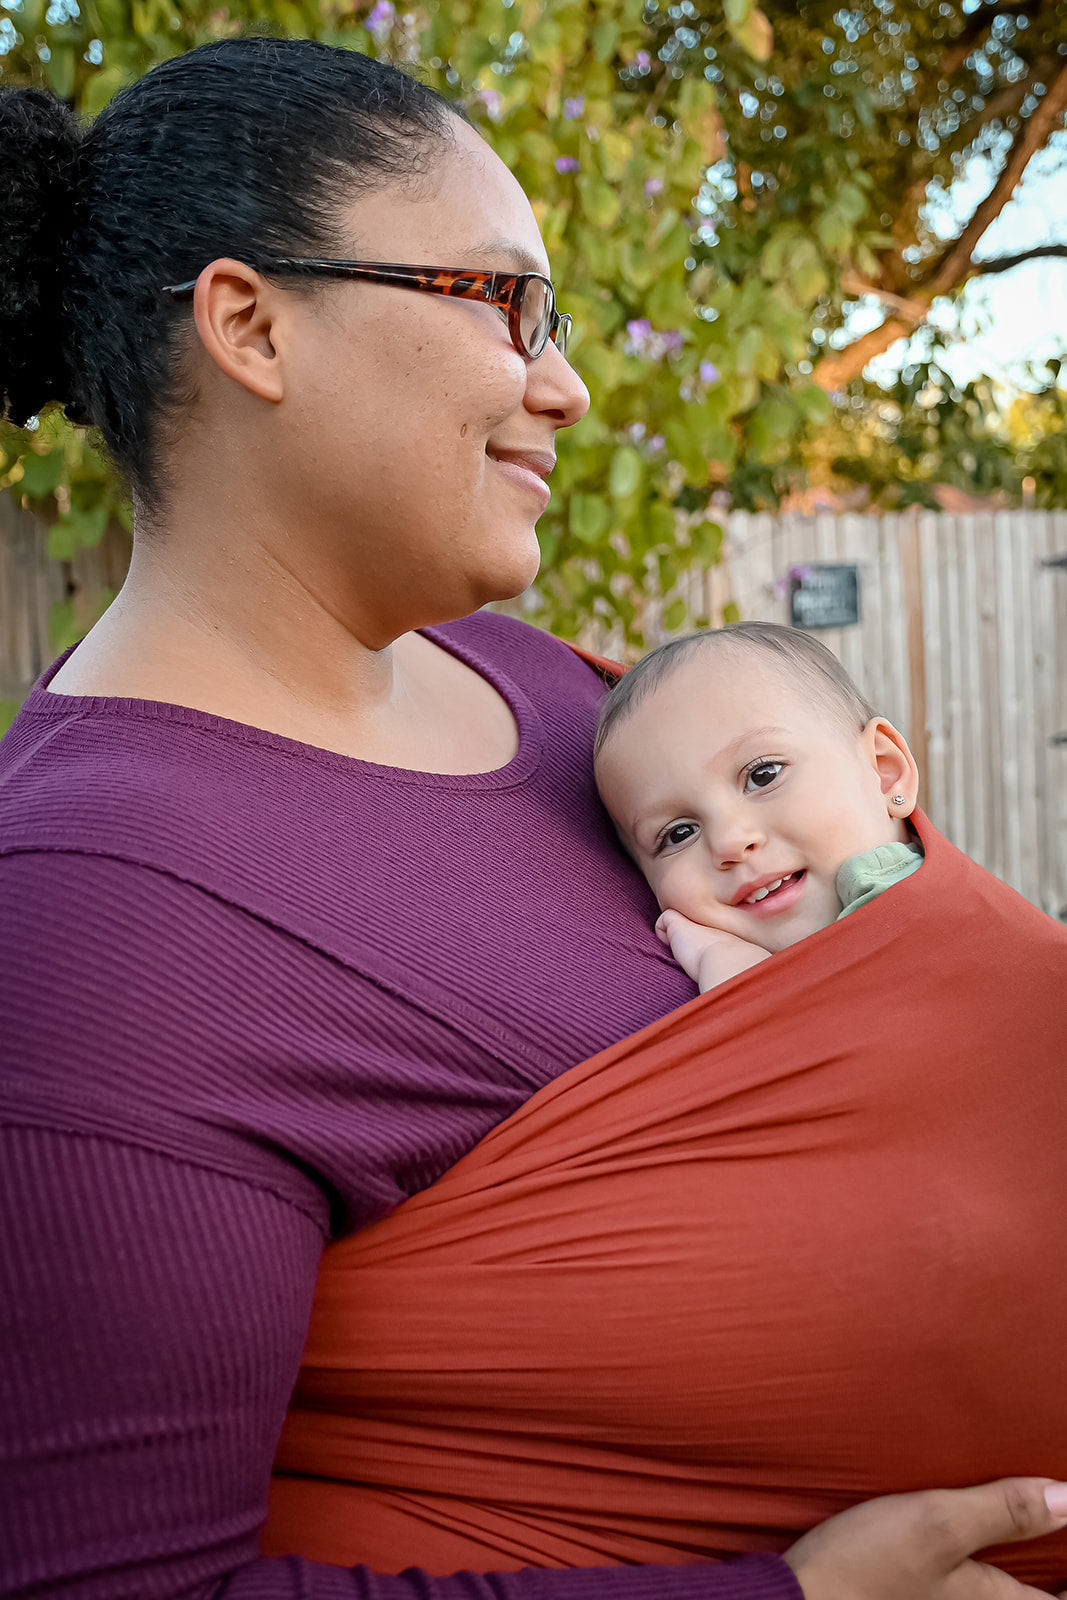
40	139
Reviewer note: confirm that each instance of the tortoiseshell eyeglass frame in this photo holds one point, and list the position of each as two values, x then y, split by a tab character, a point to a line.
504	289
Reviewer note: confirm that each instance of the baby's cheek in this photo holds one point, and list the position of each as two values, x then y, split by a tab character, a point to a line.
680	885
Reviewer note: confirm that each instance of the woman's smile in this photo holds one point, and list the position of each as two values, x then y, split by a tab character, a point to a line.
525	469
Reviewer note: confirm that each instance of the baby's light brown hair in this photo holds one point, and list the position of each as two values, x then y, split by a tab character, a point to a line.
796	650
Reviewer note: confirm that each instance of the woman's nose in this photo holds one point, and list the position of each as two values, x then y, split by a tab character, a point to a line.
554	389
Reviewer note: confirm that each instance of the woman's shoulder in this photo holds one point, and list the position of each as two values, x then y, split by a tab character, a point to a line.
516	646
105	772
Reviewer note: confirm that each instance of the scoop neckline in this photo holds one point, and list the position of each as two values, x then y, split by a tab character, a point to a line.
42	701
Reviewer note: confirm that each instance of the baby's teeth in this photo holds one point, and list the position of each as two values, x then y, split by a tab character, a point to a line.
761	894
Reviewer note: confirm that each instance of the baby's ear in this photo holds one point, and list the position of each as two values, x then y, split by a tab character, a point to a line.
898	775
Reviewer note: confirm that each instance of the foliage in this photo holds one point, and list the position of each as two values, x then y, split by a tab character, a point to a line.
839	150
560	90
902	443
1036	431
717	186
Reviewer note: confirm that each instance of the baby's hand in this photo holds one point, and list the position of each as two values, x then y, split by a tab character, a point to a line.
707	954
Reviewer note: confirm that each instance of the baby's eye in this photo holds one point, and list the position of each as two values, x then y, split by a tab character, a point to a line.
762	775
681	833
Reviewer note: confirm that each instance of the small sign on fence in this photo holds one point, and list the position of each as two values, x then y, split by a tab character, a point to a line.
826	595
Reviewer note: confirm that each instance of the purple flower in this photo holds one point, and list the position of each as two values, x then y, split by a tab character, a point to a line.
672	339
490	99
709	372
573	108
653	186
656	442
381	19
566	164
800	574
642	61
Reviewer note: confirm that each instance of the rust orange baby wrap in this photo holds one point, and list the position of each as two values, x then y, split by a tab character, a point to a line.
801	1242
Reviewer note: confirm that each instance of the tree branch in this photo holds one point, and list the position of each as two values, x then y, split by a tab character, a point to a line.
978	23
895	274
1008	99
1005	263
841	366
1034	134
909	309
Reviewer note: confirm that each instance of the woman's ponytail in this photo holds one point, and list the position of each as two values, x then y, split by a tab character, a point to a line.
243	147
40	143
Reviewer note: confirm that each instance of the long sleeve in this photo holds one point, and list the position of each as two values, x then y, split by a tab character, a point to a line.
168	1176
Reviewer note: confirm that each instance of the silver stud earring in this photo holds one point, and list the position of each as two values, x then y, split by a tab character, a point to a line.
898	799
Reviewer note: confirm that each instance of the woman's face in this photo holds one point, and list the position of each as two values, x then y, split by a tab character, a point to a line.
404	407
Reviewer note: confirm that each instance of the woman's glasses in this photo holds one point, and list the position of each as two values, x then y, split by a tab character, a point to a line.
527	297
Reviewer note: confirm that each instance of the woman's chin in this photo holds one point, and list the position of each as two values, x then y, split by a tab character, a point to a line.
511	577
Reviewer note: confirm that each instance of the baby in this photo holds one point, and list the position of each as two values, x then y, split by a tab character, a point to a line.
757	790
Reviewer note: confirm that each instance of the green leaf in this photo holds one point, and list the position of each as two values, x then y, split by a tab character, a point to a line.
59	70
615	152
807	271
78	530
756	36
813	403
675	616
100	89
600	203
686	445
731	612
41	474
589	517
626	473
605	37
747	349
834	231
705	541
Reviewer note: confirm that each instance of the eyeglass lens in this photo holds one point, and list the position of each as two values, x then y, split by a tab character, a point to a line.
535	315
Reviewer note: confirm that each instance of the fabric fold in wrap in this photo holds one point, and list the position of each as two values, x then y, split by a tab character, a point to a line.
799	1243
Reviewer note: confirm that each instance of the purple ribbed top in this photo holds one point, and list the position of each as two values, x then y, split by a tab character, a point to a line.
254	994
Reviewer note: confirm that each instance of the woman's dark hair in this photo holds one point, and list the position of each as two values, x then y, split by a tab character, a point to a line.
804	657
248	148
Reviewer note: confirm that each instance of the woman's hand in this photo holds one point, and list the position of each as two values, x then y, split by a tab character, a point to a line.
918	1546
709	955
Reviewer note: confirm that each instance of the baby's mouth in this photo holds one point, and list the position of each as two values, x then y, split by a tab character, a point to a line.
768	891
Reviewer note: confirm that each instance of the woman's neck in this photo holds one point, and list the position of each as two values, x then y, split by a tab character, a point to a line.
248	641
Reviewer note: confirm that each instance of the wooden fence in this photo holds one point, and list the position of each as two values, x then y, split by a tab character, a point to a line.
35	591
962	643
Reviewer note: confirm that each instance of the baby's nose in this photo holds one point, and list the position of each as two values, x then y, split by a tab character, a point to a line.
733	839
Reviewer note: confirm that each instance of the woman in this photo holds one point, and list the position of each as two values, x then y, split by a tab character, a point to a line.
281	833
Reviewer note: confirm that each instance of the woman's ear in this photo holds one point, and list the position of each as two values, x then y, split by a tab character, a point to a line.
237	314
894	763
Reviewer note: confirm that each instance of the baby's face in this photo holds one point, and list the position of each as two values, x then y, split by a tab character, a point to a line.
732	776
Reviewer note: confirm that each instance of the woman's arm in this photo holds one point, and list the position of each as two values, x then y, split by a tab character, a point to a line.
163	1217
152	1323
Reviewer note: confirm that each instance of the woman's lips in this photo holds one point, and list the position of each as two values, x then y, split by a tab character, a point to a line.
778	899
524	478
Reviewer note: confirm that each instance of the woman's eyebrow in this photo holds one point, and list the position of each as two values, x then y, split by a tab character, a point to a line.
494	249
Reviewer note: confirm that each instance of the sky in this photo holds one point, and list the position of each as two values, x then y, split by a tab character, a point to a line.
1008	319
